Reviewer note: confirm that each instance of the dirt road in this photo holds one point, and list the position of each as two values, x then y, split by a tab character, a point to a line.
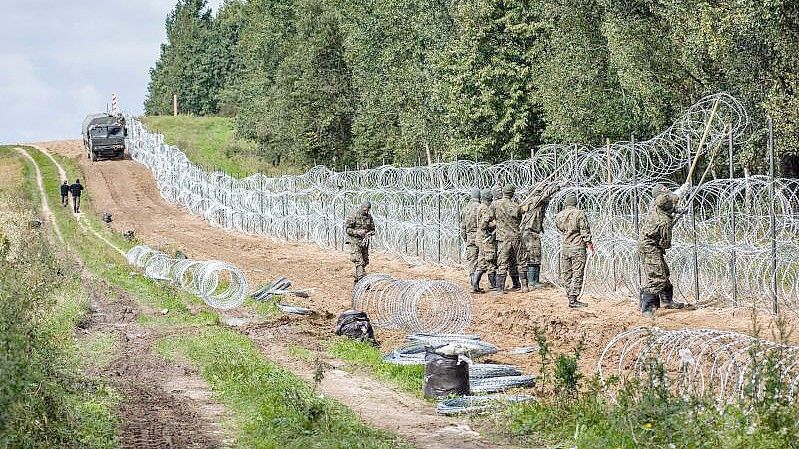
128	190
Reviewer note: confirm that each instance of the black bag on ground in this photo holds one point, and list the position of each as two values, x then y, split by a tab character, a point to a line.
355	325
444	375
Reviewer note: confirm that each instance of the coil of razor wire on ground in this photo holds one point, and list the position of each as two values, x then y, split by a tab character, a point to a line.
415	305
478	404
701	361
417	209
220	284
413	353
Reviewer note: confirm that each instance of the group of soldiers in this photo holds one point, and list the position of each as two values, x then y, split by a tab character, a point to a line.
74	189
503	238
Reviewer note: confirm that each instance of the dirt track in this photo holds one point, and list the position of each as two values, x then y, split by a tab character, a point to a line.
128	190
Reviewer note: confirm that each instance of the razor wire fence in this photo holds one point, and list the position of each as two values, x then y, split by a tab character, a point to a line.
737	246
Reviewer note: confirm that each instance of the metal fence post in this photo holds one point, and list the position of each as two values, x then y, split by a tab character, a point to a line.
734	230
772	218
636	223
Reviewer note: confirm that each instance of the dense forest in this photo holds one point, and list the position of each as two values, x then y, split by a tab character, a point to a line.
363	82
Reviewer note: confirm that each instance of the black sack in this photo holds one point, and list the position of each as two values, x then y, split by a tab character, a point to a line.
355	325
444	375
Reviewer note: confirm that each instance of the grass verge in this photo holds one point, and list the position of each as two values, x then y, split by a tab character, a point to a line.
212	142
273	407
45	400
361	355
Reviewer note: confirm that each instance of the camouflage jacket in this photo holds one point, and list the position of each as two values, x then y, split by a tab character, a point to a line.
655	235
357	225
483	235
573	225
506	215
533	220
469	220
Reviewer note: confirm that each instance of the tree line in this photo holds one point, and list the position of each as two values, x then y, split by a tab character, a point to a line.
365	82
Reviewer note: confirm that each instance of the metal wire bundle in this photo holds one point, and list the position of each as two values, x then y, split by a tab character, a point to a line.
701	361
417	208
220	284
415	305
478	404
499	383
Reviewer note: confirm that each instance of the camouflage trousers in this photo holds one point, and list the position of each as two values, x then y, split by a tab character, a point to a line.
530	253
472	253
359	255
572	266
656	272
487	259
508	252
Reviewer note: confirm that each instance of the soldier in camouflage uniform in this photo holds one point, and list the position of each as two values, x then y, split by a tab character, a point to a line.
359	228
532	226
653	241
487	258
505	215
469	228
573	226
488	242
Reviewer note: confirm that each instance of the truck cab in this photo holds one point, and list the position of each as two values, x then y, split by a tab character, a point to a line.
104	136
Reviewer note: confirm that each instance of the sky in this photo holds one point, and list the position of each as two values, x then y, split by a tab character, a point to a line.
62	60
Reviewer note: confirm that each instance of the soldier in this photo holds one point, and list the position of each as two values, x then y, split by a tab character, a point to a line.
469	217
489	244
532	225
505	215
65	193
360	227
76	190
573	226
487	254
653	241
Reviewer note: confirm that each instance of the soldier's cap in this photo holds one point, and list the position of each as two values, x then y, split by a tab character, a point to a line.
366	205
571	199
657	189
508	189
486	195
476	193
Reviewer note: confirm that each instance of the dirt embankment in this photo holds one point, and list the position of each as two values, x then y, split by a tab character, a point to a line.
128	190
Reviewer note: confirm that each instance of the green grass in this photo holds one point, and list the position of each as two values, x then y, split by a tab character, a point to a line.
301	353
212	143
273	407
97	350
364	356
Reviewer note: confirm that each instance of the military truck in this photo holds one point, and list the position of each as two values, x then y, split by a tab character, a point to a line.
104	136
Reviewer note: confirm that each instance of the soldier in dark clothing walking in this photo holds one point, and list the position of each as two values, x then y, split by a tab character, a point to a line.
65	193
359	228
76	189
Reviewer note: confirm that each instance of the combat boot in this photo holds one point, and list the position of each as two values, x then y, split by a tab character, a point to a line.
499	288
533	276
516	283
476	276
667	299
574	303
649	304
492	280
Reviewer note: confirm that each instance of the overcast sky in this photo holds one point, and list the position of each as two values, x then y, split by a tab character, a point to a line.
61	60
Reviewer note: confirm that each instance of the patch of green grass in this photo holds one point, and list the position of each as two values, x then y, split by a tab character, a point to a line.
365	356
272	407
264	309
212	143
302	353
97	350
